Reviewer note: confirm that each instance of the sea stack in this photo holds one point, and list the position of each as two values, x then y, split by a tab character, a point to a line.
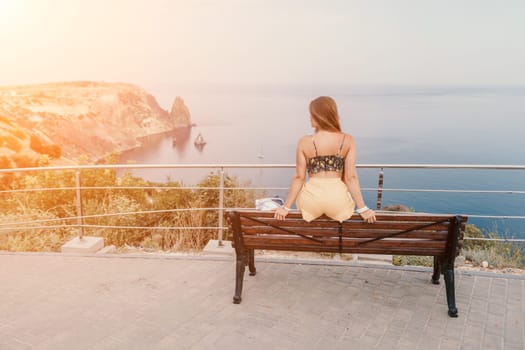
180	114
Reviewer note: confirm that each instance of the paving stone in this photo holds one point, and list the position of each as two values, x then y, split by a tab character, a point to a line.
53	301
429	342
449	344
492	342
454	331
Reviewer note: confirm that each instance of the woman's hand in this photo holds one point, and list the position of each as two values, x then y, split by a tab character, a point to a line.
368	216
280	213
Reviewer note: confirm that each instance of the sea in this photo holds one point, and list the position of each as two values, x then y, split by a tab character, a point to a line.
391	125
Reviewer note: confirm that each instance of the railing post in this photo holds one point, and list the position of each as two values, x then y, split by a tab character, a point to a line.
380	190
221	204
79	206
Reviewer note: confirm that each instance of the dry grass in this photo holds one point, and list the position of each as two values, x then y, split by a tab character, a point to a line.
181	237
25	238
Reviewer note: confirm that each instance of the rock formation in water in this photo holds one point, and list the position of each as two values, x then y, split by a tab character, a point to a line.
68	120
180	113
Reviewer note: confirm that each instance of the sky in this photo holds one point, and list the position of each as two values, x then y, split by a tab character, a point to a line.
257	42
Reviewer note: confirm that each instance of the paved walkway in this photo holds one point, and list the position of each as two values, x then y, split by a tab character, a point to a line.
52	301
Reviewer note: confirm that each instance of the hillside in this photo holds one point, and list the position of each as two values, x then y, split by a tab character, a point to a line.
67	120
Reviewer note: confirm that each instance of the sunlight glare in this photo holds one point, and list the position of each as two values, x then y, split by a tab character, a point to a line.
10	11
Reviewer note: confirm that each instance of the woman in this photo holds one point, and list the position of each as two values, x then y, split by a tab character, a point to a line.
329	156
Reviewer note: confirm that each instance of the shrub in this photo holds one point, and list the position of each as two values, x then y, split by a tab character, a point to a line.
37	145
25	238
114	204
5	120
62	203
19	133
11	143
397	207
5	183
233	198
181	237
24	161
53	151
5	162
402	260
498	254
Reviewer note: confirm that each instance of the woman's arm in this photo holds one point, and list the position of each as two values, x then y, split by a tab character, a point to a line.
352	183
297	182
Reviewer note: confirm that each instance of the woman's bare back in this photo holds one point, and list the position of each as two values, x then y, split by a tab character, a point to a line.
325	143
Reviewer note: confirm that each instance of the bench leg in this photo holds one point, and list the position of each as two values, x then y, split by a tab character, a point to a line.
239	276
437	271
448	274
251	262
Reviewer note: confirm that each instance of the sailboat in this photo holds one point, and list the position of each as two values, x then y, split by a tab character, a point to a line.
261	154
199	141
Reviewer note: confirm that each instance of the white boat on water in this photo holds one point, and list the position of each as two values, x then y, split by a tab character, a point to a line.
260	155
199	141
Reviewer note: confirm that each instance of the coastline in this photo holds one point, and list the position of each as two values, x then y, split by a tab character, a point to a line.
142	141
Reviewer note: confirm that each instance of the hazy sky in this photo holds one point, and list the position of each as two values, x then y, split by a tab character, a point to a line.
456	42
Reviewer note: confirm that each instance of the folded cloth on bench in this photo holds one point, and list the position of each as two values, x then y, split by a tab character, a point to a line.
321	195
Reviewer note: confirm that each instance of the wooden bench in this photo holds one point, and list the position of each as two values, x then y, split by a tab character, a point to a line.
394	233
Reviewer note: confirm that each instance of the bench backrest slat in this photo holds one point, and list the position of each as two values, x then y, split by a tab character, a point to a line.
296	222
380	215
393	233
334	232
252	241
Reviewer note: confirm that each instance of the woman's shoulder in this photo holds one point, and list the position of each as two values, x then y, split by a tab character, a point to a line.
305	138
348	137
348	143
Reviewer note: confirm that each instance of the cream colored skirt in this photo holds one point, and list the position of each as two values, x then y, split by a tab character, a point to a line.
328	196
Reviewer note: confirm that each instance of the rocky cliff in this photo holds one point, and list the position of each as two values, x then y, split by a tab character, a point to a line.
180	113
80	118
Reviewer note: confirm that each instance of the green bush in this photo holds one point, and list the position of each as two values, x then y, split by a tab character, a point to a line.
114	204
5	120
497	254
25	161
39	146
5	162
414	260
10	142
233	198
19	133
128	204
32	237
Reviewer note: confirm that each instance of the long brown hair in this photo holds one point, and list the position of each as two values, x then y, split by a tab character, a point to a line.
324	111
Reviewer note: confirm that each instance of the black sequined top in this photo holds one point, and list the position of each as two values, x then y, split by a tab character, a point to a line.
333	162
317	164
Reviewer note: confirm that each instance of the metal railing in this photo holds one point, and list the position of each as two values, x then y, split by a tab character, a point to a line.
78	189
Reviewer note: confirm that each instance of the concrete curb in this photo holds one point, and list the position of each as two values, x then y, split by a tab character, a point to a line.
262	259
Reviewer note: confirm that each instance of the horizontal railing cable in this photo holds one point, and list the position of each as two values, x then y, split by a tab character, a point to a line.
107	215
507	217
164	228
126	188
510	240
193	228
28	223
261	166
10	224
252	188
